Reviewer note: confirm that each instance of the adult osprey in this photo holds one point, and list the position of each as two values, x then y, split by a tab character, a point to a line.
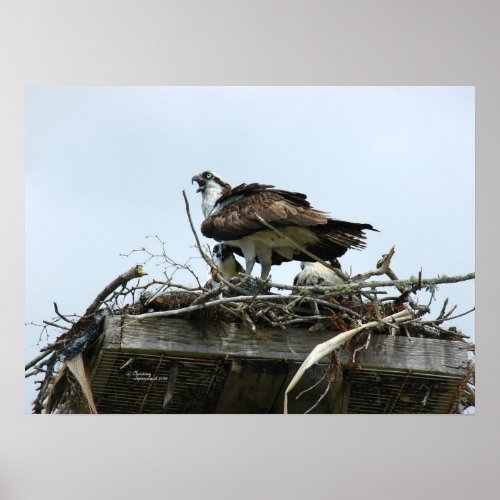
231	218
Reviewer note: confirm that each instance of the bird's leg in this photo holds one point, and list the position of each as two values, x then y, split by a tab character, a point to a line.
250	255
249	266
265	256
266	269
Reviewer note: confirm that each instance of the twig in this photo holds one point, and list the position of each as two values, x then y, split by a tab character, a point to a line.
443	310
306	319
193	230
34	361
382	267
357	286
312	386
205	297
363	347
183	287
415	305
209	261
54	324
134	272
442	320
448	332
449	313
407	333
56	309
241	298
337	307
319	399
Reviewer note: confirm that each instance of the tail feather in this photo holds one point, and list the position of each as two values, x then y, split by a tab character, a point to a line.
335	238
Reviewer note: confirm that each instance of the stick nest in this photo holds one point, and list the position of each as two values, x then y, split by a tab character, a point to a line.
251	303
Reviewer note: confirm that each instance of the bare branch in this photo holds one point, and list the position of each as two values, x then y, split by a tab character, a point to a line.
56	309
319	399
34	361
53	323
312	386
437	321
443	310
207	259
414	305
134	272
243	298
347	288
382	267
193	230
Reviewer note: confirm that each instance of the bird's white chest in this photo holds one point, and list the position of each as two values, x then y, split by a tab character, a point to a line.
210	196
228	267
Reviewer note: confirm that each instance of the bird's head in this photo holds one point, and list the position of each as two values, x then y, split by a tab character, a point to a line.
221	252
208	179
211	187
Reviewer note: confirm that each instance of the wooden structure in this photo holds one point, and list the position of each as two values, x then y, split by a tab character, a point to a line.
163	365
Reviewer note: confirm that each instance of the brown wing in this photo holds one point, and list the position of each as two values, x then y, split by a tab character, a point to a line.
247	189
279	208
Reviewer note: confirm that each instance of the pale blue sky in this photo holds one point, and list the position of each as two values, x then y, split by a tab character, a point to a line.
105	166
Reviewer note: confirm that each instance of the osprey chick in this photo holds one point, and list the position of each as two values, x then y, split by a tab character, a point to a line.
225	262
315	273
231	218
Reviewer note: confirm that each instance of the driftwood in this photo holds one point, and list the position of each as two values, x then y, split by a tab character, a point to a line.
322	350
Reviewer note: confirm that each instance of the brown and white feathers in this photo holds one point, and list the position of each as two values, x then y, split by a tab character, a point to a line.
231	218
315	273
226	263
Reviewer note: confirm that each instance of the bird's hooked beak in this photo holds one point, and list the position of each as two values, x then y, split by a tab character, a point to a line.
200	181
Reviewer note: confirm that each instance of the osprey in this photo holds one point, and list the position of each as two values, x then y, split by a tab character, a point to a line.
231	218
225	262
315	273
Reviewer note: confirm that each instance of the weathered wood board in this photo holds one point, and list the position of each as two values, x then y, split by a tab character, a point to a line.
400	353
187	338
230	369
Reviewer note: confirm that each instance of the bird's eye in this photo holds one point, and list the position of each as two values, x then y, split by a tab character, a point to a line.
209	175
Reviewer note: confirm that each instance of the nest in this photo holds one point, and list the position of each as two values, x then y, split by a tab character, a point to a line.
253	304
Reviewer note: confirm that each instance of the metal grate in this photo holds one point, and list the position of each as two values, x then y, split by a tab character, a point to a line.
130	382
378	391
137	383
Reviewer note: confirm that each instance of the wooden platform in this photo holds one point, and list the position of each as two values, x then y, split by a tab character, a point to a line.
163	365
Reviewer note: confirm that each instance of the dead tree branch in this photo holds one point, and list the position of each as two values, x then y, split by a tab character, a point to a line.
56	309
382	267
134	272
321	350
